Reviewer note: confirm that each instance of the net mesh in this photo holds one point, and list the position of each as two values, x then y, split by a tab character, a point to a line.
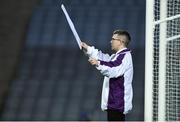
172	109
155	72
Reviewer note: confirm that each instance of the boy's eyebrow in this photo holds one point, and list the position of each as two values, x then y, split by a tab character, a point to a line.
116	39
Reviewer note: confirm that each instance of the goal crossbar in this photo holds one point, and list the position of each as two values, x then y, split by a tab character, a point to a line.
167	19
173	38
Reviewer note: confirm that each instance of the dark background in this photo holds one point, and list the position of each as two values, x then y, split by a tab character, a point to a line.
43	74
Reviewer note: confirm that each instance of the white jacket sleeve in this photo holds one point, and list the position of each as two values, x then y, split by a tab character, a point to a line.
114	72
97	54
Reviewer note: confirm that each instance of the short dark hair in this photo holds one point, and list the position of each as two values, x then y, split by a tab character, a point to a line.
124	33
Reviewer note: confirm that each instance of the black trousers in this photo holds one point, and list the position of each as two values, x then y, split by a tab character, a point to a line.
113	115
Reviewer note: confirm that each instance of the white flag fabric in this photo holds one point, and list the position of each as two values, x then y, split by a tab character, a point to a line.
71	26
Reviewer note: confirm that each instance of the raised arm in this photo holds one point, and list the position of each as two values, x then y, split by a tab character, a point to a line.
95	53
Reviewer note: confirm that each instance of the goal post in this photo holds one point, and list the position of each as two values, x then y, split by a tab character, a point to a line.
149	60
162	60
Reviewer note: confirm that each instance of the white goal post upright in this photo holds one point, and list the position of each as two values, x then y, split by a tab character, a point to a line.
149	60
150	26
162	60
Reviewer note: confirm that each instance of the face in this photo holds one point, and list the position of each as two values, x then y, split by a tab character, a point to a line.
116	42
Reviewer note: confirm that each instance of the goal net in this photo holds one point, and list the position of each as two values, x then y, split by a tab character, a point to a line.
162	65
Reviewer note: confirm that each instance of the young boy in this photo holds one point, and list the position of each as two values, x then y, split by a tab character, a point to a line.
117	70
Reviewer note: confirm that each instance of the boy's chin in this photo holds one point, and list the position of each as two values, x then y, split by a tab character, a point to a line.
112	48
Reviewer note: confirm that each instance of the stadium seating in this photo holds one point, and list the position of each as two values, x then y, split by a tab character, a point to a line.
55	80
